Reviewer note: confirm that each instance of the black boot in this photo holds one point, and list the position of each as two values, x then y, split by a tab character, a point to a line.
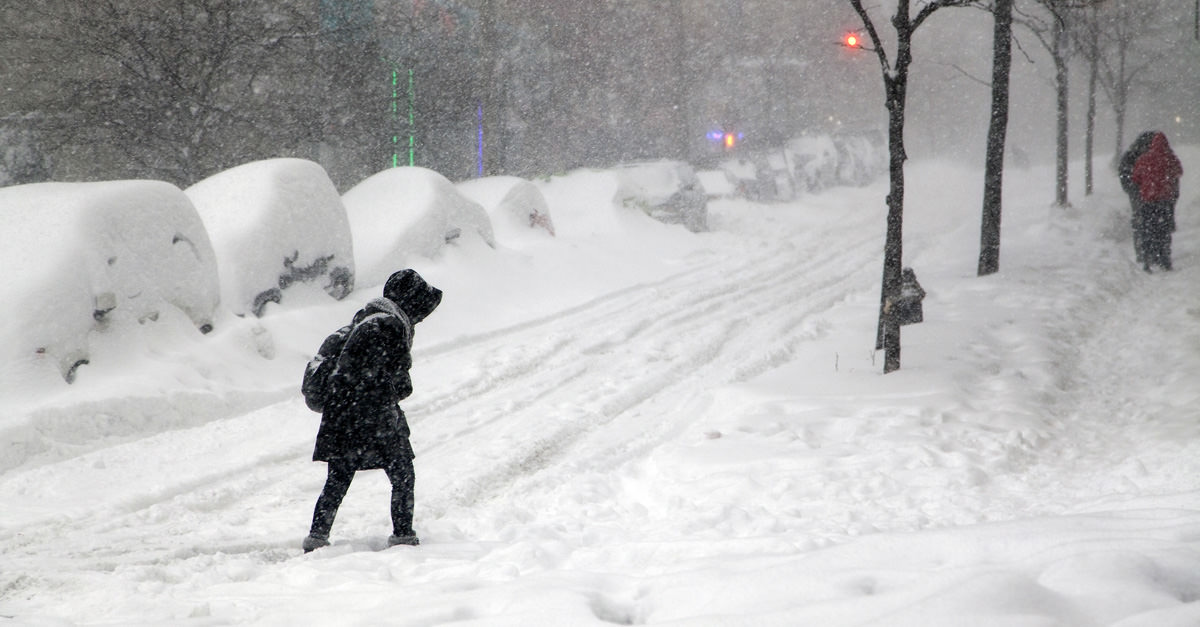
406	540
312	543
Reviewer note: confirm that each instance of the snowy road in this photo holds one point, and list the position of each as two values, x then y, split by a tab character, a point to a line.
712	442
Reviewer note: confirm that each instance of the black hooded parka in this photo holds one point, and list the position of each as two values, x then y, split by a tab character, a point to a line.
362	422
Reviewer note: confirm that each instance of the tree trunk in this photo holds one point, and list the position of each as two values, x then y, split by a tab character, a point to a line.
896	88
993	178
893	250
1089	140
1120	102
1061	137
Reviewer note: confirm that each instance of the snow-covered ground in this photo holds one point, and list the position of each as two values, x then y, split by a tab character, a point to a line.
629	423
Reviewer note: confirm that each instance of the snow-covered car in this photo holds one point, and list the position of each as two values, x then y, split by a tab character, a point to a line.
668	191
513	204
408	211
717	183
79	257
275	223
763	176
847	158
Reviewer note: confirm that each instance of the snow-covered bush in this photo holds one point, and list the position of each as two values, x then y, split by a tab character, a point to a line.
274	223
667	191
77	256
408	211
513	204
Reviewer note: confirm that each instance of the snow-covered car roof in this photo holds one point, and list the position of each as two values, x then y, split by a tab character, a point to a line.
514	204
272	223
408	211
83	253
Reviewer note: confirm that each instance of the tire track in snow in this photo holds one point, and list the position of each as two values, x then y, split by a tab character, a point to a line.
700	329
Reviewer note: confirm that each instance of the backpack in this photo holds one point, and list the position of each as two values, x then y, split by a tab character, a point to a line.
315	385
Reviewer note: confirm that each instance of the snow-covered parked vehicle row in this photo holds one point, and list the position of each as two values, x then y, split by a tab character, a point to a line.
85	255
275	223
88	258
408	211
809	163
848	158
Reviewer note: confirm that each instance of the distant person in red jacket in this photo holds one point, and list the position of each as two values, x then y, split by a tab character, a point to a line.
1156	174
1125	175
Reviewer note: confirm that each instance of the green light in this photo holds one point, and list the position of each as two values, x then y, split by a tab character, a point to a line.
411	129
395	107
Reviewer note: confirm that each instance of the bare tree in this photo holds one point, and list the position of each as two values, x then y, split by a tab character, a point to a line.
174	89
1053	27
894	68
1120	58
1089	43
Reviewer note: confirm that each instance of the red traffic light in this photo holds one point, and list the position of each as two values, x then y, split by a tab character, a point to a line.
851	40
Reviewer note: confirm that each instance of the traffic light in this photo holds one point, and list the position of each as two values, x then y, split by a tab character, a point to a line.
851	40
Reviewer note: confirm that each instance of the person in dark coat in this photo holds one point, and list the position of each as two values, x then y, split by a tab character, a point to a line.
362	425
1125	176
1157	173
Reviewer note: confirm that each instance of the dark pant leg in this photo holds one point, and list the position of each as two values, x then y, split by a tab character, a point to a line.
402	475
1149	240
1168	231
1157	234
336	484
1136	224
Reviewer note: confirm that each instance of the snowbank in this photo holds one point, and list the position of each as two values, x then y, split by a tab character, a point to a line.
275	223
408	211
88	258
